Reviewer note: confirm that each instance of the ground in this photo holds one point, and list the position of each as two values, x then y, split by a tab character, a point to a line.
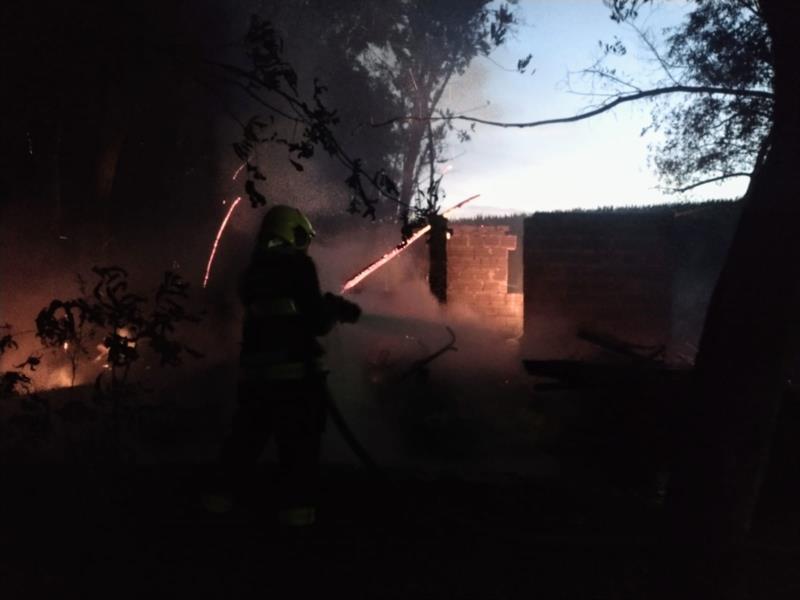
571	521
130	532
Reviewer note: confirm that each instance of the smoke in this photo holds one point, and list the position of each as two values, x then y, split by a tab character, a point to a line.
462	411
465	412
39	265
173	186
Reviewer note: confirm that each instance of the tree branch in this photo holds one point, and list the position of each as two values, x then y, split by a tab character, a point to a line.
766	144
598	72
675	89
711	180
304	115
260	100
654	51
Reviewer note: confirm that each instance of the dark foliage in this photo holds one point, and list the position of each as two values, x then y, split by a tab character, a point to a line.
403	55
424	46
169	311
7	340
273	83
13	383
122	319
721	44
709	136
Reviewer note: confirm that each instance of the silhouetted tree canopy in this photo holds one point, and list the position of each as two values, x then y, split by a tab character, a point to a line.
401	56
708	137
718	62
426	43
749	336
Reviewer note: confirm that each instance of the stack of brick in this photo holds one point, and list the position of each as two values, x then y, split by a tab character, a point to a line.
477	276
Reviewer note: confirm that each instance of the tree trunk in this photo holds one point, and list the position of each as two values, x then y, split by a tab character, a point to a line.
416	133
740	368
437	254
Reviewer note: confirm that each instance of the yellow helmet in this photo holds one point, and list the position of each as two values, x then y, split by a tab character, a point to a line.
285	224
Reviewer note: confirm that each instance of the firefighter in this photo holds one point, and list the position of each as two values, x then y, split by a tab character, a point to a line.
282	387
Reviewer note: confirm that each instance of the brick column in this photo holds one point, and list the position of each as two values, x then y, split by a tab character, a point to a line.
477	274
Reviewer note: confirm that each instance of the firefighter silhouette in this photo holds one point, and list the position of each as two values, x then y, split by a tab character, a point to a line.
282	385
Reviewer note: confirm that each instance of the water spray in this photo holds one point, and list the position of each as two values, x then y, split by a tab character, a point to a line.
402	246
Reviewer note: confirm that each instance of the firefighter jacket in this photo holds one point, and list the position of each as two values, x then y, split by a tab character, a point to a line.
285	312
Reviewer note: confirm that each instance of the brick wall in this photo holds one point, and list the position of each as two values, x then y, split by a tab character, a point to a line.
477	275
606	272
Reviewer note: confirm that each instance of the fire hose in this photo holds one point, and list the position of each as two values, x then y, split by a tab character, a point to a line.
350	438
347	433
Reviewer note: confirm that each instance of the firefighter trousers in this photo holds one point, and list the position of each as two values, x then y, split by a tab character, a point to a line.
293	413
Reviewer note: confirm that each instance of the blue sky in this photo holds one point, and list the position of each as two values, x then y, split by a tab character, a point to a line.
597	162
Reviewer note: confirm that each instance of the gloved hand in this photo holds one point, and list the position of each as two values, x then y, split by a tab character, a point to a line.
344	310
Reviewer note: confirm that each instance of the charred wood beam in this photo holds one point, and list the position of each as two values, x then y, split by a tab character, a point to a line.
420	366
437	252
579	374
618	346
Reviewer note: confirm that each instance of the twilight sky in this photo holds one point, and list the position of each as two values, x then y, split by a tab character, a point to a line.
597	162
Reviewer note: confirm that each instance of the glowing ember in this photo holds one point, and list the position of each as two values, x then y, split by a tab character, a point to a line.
222	226
102	352
372	267
124	332
216	239
60	378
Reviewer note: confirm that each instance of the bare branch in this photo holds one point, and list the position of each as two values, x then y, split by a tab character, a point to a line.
302	114
260	100
675	89
499	66
752	6
666	67
592	95
610	76
706	181
221	100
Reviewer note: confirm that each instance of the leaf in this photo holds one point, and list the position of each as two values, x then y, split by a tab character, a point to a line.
241	153
31	362
254	172
523	63
256	197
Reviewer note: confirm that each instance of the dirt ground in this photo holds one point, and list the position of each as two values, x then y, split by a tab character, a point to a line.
78	532
550	522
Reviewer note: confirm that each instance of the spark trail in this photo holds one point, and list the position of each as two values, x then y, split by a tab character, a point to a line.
374	266
222	226
216	239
